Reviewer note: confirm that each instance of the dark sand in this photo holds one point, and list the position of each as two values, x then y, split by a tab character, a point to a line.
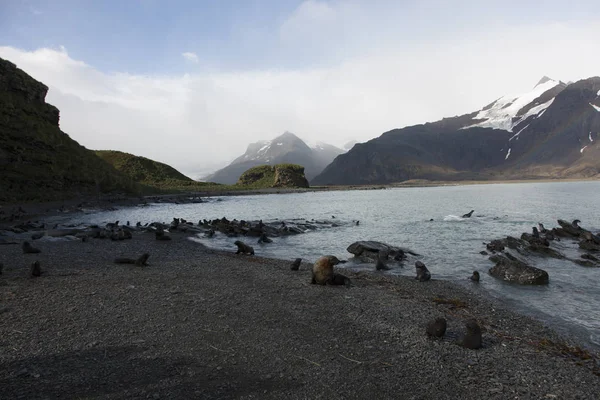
204	324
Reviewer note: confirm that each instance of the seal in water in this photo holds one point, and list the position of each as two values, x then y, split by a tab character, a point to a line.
36	269
472	339
29	249
436	328
475	276
264	239
423	273
243	248
468	215
296	264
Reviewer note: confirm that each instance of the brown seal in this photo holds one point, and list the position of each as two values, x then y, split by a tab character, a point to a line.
29	249
243	248
436	328
423	273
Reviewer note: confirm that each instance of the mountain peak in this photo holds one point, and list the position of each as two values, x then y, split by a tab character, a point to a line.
543	80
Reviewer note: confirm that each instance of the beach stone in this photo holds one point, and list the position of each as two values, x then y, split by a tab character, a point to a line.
510	269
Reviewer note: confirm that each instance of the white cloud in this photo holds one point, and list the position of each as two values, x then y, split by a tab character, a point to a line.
377	82
193	57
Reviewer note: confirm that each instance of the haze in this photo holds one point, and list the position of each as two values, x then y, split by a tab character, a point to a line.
192	83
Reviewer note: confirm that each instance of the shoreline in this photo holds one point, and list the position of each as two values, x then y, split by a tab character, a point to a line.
203	323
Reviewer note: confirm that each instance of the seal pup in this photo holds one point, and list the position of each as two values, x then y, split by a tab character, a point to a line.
243	248
468	215
436	328
475	276
36	269
380	265
472	339
140	261
29	249
296	264
264	239
160	235
423	273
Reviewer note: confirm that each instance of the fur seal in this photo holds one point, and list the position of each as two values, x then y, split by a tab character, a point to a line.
322	272
472	339
37	235
296	264
423	273
243	248
36	270
160	235
576	223
140	262
436	328
210	233
380	265
468	215
29	249
475	276
542	229
264	239
536	233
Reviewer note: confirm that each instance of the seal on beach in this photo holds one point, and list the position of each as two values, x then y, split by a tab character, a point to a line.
296	264
436	328
475	276
29	249
423	273
36	269
243	248
322	272
140	261
380	265
160	235
468	215
472	339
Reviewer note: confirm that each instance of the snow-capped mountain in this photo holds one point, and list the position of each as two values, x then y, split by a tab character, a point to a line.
286	148
550	131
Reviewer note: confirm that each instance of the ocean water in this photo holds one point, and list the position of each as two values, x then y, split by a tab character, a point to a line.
449	245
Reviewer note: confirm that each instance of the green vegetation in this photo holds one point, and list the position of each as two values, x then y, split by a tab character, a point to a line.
280	175
38	161
152	174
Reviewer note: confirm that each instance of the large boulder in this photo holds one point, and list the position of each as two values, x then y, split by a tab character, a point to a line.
510	269
370	250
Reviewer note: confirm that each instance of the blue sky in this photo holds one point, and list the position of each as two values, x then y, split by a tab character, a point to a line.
221	74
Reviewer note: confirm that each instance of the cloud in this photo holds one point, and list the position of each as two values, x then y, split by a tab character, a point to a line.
192	57
373	83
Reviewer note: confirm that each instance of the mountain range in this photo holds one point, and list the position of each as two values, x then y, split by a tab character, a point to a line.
549	132
284	149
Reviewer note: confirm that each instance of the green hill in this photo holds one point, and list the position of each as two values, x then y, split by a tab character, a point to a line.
151	173
280	175
37	160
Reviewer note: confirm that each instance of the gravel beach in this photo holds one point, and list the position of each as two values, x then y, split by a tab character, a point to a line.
206	324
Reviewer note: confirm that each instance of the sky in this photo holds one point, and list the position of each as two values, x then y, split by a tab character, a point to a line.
193	82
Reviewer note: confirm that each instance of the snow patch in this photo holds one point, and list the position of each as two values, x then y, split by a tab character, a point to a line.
507	155
264	148
278	144
582	149
502	112
595	107
517	134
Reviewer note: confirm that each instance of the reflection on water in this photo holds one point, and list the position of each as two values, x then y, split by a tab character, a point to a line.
450	245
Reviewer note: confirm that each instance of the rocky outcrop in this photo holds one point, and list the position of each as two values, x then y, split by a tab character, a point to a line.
281	175
510	269
39	161
369	251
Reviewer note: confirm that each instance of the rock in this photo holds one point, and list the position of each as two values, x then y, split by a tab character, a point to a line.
369	251
589	245
510	269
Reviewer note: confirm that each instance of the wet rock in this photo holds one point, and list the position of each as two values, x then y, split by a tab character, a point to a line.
510	269
369	251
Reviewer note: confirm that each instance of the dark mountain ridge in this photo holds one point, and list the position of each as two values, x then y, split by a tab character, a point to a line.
548	132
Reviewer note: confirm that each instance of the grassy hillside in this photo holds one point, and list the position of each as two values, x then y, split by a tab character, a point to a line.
151	173
280	175
37	160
